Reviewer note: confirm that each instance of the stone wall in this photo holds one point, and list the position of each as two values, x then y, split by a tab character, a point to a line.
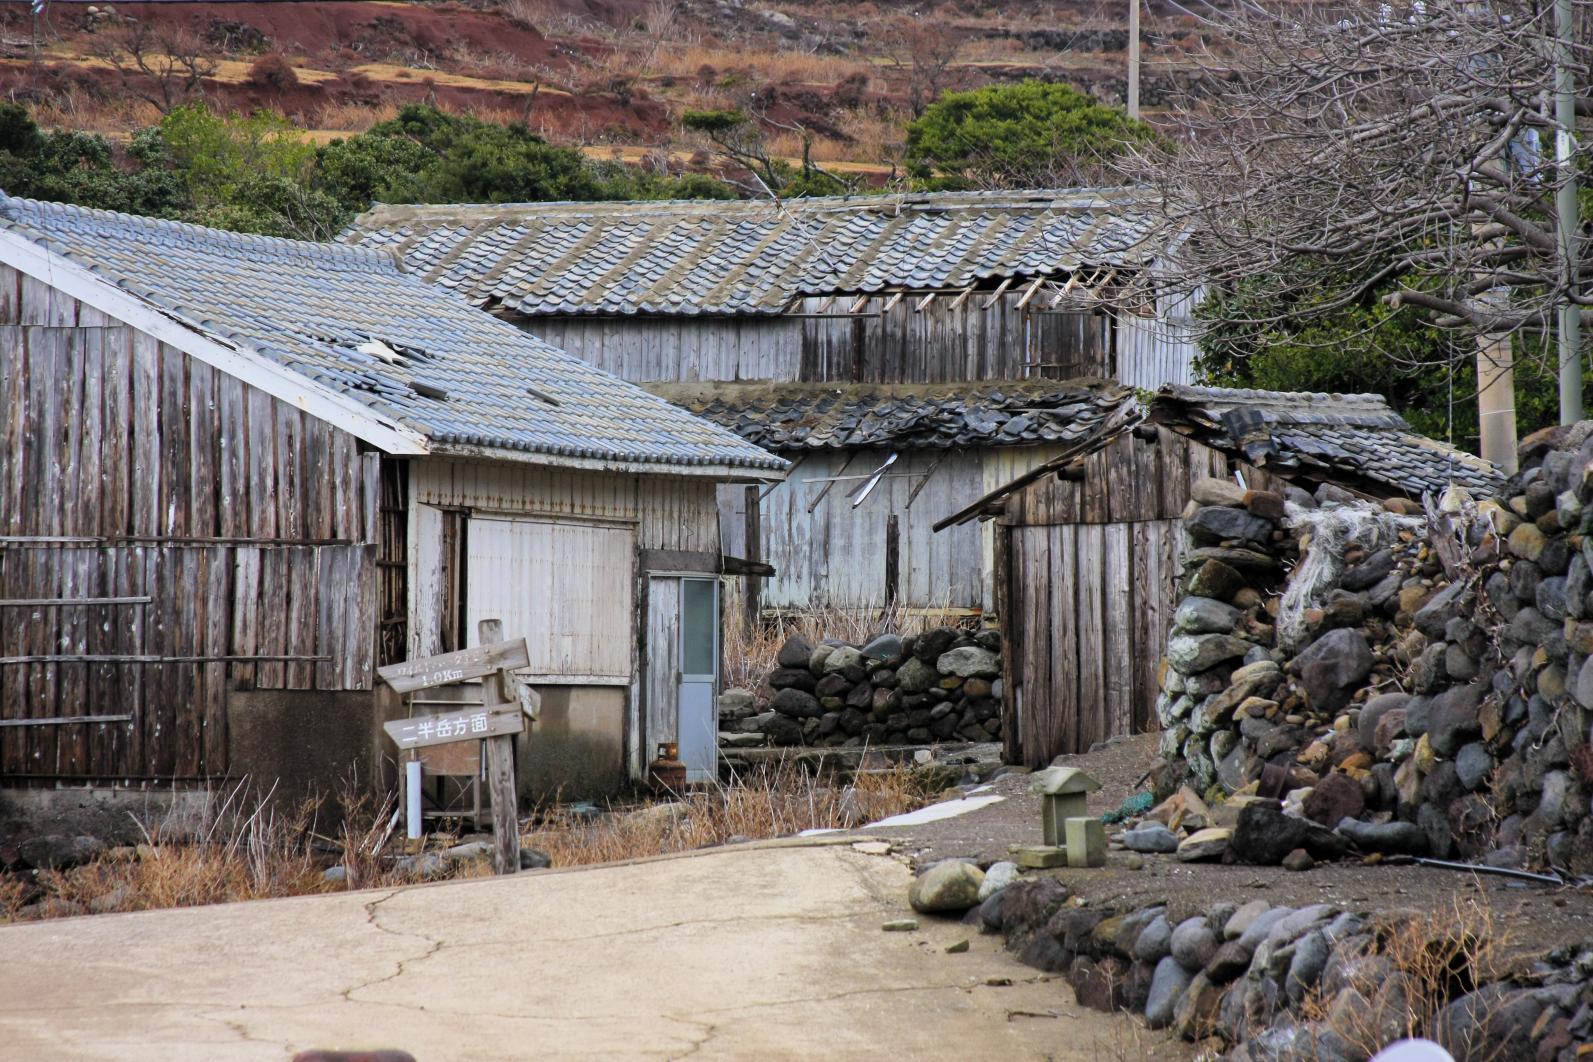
1434	692
941	685
1320	982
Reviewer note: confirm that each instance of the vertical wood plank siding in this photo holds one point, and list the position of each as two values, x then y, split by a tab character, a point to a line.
244	520
1089	574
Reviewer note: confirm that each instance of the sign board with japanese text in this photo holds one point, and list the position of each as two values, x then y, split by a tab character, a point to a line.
467	725
476	662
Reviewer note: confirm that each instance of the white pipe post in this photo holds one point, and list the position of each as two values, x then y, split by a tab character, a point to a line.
412	815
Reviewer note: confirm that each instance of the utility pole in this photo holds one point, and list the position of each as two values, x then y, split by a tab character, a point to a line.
1570	323
1133	57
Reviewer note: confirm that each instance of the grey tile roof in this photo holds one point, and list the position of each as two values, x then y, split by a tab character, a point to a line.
788	418
751	257
1354	440
309	306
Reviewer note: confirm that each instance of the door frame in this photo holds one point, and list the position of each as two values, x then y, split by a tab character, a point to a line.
647	746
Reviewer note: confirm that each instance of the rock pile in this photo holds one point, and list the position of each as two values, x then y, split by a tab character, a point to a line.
1435	693
941	685
1276	982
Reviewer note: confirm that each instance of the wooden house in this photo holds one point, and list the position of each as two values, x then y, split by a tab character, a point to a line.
240	473
994	299
1088	546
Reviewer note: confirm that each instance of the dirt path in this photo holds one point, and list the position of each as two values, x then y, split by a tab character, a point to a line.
768	952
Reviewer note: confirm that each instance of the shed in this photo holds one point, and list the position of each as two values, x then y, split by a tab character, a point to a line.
853	299
1089	545
240	473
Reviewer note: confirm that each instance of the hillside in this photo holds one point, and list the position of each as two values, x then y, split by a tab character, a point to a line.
611	76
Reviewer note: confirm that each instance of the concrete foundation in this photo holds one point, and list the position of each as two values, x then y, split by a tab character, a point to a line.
308	742
576	750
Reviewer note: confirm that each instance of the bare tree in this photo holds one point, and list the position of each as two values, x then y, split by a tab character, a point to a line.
1367	149
164	65
921	50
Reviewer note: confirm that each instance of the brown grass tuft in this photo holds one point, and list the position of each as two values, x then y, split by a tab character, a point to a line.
776	801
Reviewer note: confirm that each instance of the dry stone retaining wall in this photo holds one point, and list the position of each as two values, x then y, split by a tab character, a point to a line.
941	685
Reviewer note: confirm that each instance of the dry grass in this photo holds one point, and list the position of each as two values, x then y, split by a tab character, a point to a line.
230	853
750	655
777	801
1435	958
355	117
793	68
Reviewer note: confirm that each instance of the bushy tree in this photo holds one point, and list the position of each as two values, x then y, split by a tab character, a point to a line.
1314	341
76	167
1031	134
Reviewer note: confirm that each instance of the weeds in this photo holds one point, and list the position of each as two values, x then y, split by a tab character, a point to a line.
776	801
750	654
242	847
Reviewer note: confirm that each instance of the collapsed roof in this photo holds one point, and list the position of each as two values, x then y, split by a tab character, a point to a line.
793	417
716	257
1355	441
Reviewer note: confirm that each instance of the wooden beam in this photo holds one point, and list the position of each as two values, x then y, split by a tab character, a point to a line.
924	302
500	764
890	303
893	560
961	298
995	296
862	301
66	720
1031	292
930	471
814	504
33	602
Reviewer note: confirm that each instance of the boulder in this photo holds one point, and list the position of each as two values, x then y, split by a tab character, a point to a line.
1204	615
1333	667
1389	838
883	647
915	676
1192	654
795	652
1454	600
1265	835
998	877
1168	985
56	851
968	662
1216	524
1202	845
948	886
782	730
1373	711
1150	837
796	704
1214	579
1455	719
1193	943
1333	798
929	645
1368	572
841	658
1210	490
1154	941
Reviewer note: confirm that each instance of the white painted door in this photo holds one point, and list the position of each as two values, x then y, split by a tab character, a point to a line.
564	587
683	670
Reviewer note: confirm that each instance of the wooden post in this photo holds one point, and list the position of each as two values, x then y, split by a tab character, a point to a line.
498	688
893	558
754	535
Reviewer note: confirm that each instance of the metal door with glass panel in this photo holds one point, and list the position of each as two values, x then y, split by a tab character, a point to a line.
683	670
699	676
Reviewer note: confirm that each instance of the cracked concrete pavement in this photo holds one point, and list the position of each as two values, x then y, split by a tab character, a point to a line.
750	951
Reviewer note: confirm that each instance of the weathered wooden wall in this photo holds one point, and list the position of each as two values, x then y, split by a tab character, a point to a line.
673	515
241	527
1159	349
940	344
1087	571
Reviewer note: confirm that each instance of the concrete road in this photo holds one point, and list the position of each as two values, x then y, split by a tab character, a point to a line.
745	952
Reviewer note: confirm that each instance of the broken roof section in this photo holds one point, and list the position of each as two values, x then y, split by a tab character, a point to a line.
352	323
713	257
794	417
1355	441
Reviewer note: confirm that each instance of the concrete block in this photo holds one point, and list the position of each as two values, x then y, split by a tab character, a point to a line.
1086	842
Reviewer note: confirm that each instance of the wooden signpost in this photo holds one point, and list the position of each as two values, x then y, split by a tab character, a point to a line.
506	705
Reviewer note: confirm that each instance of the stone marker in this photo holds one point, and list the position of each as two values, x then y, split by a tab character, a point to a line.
1086	842
1062	796
1042	856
